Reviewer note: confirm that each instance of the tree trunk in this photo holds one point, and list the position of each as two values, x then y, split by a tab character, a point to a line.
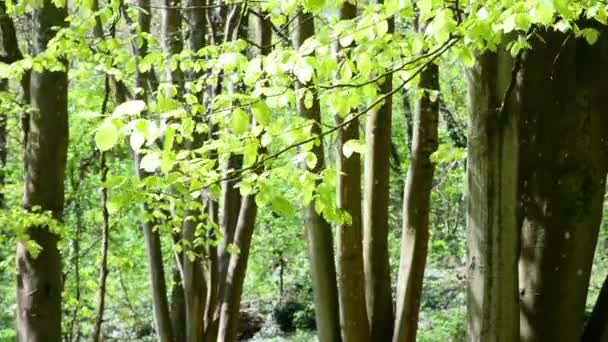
492	230
318	230
148	82
416	208
181	303
237	267
39	282
562	183
597	325
231	301
351	278
105	237
227	17
9	53
378	293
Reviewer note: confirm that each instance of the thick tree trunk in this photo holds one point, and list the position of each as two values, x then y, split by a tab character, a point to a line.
492	231
597	325
39	282
562	183
416	208
318	230
351	278
378	293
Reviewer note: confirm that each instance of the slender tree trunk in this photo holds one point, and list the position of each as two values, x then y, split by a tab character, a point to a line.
378	293
39	282
9	53
237	267
562	183
318	230
492	230
3	144
195	288
231	201
105	236
181	304
351	278
597	325
416	208
231	301
148	82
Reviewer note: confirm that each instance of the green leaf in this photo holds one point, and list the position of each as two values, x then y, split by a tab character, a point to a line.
353	146
308	99
303	71
150	162
311	160
129	108
261	112
282	206
239	121
106	136
136	140
591	35
314	5
425	7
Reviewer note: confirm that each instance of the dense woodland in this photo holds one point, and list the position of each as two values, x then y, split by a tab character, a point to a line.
299	170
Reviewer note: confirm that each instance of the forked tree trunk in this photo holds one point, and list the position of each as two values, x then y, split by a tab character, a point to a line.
378	293
228	18
237	267
351	278
318	231
39	282
231	301
416	209
562	182
492	231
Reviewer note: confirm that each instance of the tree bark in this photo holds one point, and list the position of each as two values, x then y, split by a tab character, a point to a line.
9	53
231	301
148	82
318	230
416	208
492	232
351	278
237	267
105	236
597	325
562	183
378	291
39	280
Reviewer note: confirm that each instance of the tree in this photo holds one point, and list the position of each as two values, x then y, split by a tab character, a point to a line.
351	277
492	231
39	283
146	80
378	294
318	230
562	181
11	54
416	207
